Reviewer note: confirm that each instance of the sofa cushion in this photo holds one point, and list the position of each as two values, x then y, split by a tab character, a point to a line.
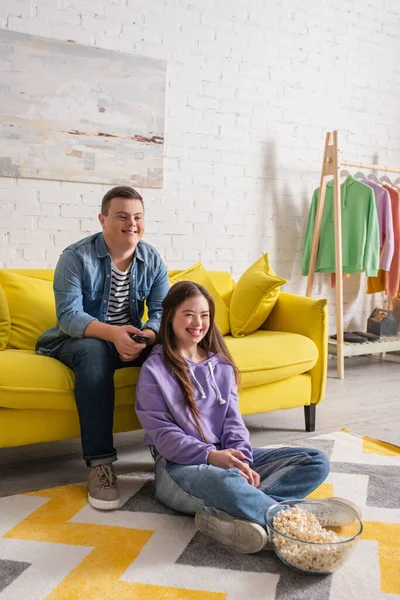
222	280
28	380
198	274
31	305
224	284
254	297
5	321
267	356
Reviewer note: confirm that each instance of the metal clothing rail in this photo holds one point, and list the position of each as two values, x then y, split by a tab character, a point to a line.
331	166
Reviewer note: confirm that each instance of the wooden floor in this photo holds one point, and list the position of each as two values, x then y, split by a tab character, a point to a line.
367	401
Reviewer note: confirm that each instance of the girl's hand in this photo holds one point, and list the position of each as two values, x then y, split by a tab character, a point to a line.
256	478
226	459
230	458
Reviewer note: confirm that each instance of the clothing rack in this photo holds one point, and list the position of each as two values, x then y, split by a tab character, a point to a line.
331	166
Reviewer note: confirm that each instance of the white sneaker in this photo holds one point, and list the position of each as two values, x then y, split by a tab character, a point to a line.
335	512
237	534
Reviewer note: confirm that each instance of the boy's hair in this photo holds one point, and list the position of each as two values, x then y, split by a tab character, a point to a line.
121	191
213	341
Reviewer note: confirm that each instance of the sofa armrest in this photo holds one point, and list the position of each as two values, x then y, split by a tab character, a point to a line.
308	317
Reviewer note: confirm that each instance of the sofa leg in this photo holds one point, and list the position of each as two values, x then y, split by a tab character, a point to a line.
309	416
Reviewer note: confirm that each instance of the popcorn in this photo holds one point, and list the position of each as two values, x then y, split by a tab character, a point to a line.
305	527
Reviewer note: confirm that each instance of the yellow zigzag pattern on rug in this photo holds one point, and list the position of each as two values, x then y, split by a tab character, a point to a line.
113	547
386	534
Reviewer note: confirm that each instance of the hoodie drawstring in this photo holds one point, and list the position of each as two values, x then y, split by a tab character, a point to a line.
199	387
220	398
202	393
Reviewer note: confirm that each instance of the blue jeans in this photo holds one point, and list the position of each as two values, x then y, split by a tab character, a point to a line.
285	473
94	363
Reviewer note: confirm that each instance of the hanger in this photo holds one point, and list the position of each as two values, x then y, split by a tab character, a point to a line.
344	173
397	181
373	177
360	175
385	179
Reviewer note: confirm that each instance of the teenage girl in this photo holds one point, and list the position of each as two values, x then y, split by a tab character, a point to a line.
187	403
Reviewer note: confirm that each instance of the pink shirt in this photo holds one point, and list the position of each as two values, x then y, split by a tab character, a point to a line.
385	219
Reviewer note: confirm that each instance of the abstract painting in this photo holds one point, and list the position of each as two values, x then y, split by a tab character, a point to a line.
75	113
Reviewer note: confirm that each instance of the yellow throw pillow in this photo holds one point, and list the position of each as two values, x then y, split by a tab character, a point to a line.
32	308
254	297
198	274
5	321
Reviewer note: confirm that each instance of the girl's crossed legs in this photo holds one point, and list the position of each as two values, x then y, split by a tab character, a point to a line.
285	473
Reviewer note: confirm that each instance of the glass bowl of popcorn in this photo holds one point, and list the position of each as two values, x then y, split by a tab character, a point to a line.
313	536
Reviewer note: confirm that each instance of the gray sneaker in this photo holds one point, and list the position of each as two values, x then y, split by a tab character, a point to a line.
103	490
237	534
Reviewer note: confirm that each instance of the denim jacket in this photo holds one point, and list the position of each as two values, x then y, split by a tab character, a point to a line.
82	282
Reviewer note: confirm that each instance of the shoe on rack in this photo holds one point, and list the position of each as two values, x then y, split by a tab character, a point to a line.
351	337
371	337
237	534
335	512
103	492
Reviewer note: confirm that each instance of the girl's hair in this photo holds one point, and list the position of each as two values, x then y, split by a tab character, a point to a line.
212	341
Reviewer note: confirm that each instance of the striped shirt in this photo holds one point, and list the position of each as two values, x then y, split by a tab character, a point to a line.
118	312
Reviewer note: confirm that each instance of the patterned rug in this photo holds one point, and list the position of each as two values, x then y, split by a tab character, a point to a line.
54	546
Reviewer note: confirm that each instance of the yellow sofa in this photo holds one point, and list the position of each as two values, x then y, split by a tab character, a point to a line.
282	365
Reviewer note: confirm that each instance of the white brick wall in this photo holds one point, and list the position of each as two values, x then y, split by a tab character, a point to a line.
252	88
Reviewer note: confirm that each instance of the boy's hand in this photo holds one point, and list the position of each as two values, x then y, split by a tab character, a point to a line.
127	349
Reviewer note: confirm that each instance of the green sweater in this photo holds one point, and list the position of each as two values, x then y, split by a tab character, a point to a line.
360	231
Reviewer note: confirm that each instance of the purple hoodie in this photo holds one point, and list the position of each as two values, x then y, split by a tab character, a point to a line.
168	422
